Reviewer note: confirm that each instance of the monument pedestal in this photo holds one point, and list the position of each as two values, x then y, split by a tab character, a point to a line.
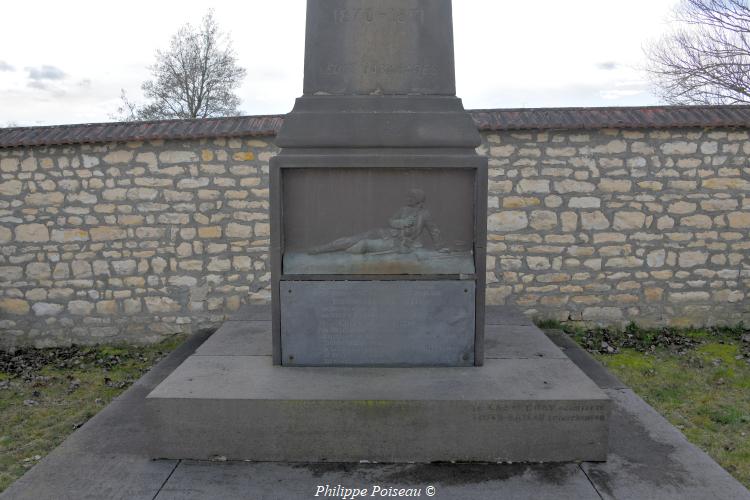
416	306
528	403
378	197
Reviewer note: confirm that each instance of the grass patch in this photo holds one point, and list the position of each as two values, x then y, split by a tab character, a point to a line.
45	394
698	379
548	324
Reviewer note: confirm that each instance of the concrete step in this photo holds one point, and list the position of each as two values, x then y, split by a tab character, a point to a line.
529	403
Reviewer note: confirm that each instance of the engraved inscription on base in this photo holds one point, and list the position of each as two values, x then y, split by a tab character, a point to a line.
548	411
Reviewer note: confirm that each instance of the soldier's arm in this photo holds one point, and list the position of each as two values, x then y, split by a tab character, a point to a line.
401	220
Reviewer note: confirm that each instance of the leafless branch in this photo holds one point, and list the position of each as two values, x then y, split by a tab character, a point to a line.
706	58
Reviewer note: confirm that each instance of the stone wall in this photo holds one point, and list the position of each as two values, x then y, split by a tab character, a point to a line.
130	241
619	225
134	241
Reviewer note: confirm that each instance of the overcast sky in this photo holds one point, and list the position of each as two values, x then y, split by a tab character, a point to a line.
66	61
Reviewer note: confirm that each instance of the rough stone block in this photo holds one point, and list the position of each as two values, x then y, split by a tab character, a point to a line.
14	306
507	221
107	233
32	233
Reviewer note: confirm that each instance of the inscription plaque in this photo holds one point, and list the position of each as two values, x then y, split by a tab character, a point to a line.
377	323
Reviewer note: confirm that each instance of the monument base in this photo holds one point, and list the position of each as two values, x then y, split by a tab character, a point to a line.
529	403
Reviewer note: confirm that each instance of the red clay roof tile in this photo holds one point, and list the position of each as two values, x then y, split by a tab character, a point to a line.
486	120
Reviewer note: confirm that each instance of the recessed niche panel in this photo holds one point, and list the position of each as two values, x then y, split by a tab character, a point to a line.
394	221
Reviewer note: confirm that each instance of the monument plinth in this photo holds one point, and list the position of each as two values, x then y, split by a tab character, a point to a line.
378	235
378	197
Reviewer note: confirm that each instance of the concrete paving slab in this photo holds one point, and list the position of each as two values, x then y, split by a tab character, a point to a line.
506	315
66	475
252	312
650	458
201	480
518	342
228	378
140	389
590	366
239	338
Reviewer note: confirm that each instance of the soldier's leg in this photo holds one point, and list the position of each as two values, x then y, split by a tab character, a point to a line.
338	245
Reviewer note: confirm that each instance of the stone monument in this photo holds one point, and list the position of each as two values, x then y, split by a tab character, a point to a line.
379	346
378	198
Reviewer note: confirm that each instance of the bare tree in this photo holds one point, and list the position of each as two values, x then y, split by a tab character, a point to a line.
706	59
196	78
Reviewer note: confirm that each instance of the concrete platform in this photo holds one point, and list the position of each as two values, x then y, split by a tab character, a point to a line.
529	403
108	458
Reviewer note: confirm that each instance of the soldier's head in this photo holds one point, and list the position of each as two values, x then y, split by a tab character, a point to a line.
415	198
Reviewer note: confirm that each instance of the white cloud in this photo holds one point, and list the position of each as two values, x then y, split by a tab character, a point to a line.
45	72
37	84
607	65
